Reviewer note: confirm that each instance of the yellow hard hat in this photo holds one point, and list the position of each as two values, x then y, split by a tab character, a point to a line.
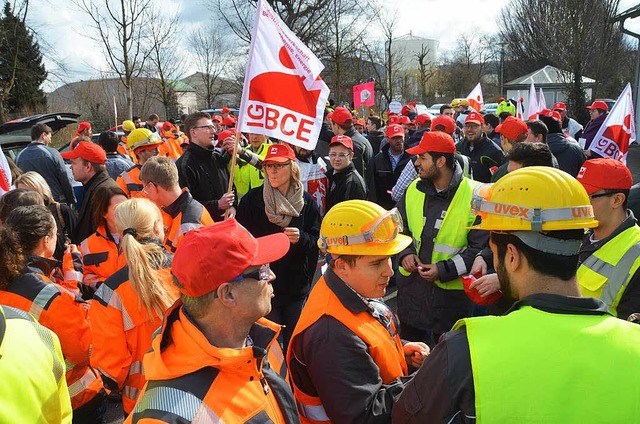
455	102
141	137
535	198
359	227
128	125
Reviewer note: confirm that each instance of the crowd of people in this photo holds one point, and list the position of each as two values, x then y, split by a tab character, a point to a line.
181	273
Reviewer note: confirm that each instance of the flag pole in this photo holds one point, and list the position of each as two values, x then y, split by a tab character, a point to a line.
115	111
234	159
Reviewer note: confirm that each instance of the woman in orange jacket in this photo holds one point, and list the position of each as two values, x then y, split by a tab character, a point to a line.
100	254
128	307
28	240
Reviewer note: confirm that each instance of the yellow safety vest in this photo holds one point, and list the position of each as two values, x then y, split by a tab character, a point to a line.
452	236
532	366
607	272
248	176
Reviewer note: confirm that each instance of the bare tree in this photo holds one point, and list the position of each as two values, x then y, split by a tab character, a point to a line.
425	71
466	66
213	53
121	30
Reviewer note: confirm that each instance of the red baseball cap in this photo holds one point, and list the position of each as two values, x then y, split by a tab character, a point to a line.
598	104
513	129
340	115
217	118
88	151
279	153
394	130
434	141
604	174
559	106
342	139
404	120
84	125
229	122
215	254
360	122
225	110
422	119
225	134
167	126
474	117
551	114
446	121
393	119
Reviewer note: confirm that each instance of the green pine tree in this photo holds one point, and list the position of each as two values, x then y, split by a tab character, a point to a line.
21	69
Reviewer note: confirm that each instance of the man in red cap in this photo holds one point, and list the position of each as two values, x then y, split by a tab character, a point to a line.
483	152
570	127
216	359
598	112
385	167
226	112
512	131
84	130
437	214
610	253
423	124
568	153
344	181
88	167
342	124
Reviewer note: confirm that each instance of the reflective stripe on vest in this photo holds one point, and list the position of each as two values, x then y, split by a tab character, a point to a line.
316	413
607	272
110	297
47	293
177	402
548	365
451	239
131	392
82	384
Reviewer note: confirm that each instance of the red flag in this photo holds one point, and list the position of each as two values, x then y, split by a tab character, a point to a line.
5	174
363	94
476	100
618	130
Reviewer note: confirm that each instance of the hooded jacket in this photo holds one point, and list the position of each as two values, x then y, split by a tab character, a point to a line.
568	153
218	384
592	127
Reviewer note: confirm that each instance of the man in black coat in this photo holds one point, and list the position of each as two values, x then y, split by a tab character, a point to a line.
485	156
569	154
344	181
342	124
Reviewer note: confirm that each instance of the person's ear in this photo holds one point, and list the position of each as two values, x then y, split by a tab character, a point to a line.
226	294
512	258
617	200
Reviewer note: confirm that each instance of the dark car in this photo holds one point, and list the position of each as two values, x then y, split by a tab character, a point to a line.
16	134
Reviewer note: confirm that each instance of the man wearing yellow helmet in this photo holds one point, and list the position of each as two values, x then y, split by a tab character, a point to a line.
555	357
127	127
144	144
345	356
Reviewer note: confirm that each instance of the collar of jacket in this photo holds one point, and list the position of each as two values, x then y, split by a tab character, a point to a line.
42	265
427	187
97	179
629	222
181	348
179	204
345	294
343	173
200	151
558	304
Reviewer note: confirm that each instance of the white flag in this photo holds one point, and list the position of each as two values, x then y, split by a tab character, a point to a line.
283	95
475	98
618	129
542	103
520	107
5	174
533	102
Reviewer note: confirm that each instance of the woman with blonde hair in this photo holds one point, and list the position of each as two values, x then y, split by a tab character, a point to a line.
64	216
128	307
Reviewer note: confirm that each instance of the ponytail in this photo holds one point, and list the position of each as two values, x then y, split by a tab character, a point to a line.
12	257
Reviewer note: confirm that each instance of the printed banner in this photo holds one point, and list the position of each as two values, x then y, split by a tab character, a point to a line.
618	130
363	94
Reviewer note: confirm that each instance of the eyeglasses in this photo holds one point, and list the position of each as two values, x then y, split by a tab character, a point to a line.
261	274
208	127
606	193
338	155
144	187
275	166
385	316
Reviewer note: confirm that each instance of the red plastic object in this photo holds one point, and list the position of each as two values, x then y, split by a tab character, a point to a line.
473	293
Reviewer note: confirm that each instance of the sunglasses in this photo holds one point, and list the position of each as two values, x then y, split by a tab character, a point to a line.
606	193
260	274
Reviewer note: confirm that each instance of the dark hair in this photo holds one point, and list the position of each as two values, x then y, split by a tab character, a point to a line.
448	157
504	115
375	120
492	119
109	141
445	106
24	228
348	124
349	259
38	129
153	117
602	111
553	125
192	120
16	198
531	154
563	267
538	127
101	200
135	118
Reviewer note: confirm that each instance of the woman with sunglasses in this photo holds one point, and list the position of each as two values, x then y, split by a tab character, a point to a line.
127	308
282	205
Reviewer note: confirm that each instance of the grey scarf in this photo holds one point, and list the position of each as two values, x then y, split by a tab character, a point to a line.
280	209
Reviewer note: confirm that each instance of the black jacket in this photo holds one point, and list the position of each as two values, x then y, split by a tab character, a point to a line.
204	173
381	177
295	270
85	225
66	220
344	185
416	137
375	138
484	155
363	152
569	154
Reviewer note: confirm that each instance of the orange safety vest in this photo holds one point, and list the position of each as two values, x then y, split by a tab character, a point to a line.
122	149
385	351
131	184
123	331
57	309
172	144
182	216
101	258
